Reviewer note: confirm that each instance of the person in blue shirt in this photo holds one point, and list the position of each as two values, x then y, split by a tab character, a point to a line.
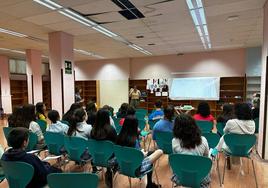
166	124
158	113
56	125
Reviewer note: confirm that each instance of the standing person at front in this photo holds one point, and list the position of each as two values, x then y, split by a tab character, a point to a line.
134	95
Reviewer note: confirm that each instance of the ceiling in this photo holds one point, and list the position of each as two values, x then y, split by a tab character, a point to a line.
166	29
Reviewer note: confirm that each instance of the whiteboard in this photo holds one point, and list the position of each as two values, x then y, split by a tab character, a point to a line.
196	88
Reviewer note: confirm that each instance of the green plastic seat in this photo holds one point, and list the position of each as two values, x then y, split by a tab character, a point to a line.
190	169
240	145
220	126
164	141
71	180
205	126
129	160
75	147
140	116
212	138
18	174
42	124
54	142
101	152
142	111
65	122
257	122
33	139
118	127
152	123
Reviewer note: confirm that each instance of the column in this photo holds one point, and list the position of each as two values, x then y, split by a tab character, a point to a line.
34	76
61	61
5	85
263	131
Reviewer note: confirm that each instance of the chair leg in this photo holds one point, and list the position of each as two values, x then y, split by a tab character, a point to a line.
129	180
225	160
254	173
218	169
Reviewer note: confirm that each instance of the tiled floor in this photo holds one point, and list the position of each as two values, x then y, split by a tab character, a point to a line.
233	178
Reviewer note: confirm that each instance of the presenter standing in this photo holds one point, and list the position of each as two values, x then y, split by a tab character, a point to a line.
134	95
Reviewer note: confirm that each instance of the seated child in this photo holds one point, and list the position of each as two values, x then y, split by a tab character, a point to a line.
56	126
158	113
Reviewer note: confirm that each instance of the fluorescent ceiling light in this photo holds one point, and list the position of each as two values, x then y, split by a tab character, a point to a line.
105	31
205	29
194	17
88	53
49	4
74	18
80	17
202	16
134	46
11	50
199	3
199	31
12	33
190	4
209	45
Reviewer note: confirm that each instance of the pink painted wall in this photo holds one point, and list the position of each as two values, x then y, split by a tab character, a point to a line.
61	49
5	85
34	68
263	84
218	63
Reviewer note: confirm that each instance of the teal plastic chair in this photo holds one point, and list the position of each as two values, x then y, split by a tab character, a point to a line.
240	145
42	124
75	147
71	180
152	123
205	126
213	140
117	126
142	111
257	122
220	126
164	141
54	142
33	139
190	169
140	116
18	174
101	152
65	122
129	160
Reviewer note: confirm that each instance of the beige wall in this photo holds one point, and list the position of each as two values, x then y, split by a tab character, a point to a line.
113	93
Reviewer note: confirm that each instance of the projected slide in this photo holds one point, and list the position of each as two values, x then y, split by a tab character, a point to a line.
197	88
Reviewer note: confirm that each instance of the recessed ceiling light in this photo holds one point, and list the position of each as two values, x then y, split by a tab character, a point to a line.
232	18
151	44
139	36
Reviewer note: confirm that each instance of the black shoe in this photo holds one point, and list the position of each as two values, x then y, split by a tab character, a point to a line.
153	185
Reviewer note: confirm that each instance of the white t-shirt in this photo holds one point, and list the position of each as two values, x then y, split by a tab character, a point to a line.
84	130
201	150
58	127
35	128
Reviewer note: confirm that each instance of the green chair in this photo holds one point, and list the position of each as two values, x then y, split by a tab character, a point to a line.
140	116
240	145
142	111
220	126
42	124
152	123
75	147
129	160
18	174
190	169
205	126
213	140
257	122
101	152
117	126
164	141
33	139
71	180
54	142
65	122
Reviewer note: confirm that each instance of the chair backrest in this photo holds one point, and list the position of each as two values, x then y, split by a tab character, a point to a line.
212	138
18	174
240	144
65	122
142	111
70	180
205	126
257	122
129	159
140	116
101	151
75	147
220	126
6	131
152	123
164	141
54	142
117	126
42	124
190	169
142	124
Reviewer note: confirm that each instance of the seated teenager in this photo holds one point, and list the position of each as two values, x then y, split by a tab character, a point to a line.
227	113
122	112
111	113
203	113
56	126
102	130
130	112
91	110
18	139
158	112
188	140
40	111
68	115
129	137
166	124
16	118
78	126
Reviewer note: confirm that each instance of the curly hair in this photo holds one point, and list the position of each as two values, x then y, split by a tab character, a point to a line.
203	109
186	130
